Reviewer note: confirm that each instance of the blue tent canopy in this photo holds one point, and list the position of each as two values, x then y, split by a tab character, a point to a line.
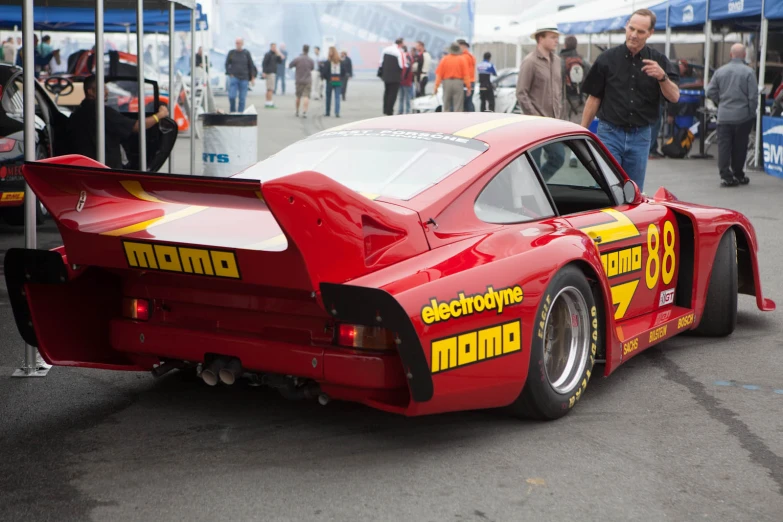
733	9
684	14
687	13
773	10
79	19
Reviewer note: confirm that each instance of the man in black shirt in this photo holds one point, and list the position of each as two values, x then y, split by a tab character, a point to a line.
82	126
625	87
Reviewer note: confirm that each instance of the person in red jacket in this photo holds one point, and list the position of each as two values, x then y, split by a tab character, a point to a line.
406	83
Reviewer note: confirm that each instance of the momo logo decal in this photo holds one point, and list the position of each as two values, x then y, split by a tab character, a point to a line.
476	346
466	305
622	261
186	260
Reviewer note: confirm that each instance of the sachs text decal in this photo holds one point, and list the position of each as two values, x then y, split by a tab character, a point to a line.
476	346
466	305
187	260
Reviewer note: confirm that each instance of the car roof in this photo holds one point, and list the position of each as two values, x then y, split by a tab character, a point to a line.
504	133
496	130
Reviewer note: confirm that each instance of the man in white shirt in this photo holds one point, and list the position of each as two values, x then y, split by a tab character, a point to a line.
390	71
58	65
317	83
421	68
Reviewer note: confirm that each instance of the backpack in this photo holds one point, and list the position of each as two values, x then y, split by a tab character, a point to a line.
574	75
679	145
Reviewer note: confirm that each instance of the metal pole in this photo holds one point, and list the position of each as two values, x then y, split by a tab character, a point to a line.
100	113
707	46
668	49
172	94
140	80
192	115
31	366
590	47
762	66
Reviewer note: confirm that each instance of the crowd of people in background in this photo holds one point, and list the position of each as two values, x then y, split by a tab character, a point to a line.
626	90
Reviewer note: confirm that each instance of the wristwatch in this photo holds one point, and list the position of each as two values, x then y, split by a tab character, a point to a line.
665	77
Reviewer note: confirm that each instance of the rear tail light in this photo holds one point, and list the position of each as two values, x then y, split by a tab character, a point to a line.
7	144
138	309
365	337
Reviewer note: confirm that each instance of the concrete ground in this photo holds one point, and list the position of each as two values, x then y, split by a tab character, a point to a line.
692	429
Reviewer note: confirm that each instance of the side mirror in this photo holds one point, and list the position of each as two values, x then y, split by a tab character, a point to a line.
630	192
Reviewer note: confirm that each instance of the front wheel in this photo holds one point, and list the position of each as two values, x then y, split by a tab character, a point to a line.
562	352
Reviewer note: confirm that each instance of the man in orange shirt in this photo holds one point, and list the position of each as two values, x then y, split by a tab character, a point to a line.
470	60
453	72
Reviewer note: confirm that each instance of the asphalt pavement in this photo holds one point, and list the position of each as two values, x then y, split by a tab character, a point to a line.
691	429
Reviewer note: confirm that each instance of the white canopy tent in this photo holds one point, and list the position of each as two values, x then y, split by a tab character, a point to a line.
33	367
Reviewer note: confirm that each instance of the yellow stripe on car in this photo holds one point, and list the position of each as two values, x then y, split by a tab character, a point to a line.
134	188
481	128
150	223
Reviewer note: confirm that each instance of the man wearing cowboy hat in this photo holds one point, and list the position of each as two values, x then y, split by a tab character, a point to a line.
453	72
540	92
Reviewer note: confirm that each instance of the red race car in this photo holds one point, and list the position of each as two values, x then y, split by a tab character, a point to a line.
417	264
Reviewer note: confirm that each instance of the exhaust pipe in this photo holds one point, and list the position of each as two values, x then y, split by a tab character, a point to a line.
210	374
230	372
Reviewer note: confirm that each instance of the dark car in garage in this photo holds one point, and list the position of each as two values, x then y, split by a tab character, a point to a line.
52	137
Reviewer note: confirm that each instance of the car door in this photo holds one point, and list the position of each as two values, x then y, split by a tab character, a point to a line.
638	243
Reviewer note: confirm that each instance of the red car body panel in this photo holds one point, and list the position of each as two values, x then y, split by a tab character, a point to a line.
310	254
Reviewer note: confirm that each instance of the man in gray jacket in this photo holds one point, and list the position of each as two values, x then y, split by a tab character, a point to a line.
735	91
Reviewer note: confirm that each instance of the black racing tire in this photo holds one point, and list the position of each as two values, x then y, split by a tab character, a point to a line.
541	398
720	310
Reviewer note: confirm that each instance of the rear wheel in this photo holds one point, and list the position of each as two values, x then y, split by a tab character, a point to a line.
562	352
720	310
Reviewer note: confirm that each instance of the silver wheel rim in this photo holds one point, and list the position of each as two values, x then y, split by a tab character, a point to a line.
566	340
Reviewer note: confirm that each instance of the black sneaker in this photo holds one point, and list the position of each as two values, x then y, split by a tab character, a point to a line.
731	182
744	180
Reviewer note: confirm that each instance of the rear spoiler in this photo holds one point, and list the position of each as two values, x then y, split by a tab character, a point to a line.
119	219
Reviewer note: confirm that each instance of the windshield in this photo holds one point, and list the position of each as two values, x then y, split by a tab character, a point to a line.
392	163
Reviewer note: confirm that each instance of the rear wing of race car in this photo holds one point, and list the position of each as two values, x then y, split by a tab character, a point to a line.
222	226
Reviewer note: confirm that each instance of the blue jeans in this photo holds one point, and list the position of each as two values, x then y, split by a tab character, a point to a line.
336	89
406	93
280	78
236	86
656	129
555	158
469	107
630	147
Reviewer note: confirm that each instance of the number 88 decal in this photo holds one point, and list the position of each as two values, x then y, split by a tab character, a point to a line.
656	266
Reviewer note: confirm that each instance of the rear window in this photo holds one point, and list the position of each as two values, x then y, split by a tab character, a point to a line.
392	163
